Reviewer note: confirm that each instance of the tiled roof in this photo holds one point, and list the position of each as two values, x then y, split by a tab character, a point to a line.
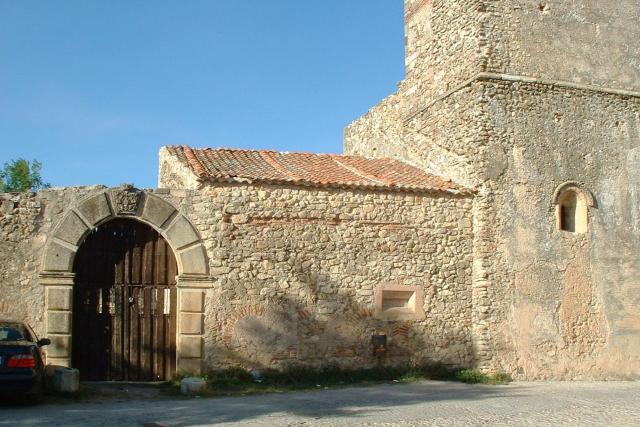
306	169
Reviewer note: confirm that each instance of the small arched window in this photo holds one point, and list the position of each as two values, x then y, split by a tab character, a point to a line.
572	208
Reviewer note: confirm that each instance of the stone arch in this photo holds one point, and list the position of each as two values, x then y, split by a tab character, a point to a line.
127	202
572	203
57	277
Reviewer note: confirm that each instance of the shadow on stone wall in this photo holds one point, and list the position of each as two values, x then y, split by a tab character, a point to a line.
320	323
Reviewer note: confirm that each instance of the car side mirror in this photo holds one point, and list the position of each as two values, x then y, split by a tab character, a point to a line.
43	342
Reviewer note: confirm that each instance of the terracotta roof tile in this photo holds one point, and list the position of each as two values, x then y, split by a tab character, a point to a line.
317	170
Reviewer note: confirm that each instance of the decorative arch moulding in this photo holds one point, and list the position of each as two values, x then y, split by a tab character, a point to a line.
125	202
578	188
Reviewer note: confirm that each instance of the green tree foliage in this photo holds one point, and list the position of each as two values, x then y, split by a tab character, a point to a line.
19	175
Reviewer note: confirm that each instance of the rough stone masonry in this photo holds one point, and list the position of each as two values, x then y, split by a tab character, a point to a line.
525	101
484	215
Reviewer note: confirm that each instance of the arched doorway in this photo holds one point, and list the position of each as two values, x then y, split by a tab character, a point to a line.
124	304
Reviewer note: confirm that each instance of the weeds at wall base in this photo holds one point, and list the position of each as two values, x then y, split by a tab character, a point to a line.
238	381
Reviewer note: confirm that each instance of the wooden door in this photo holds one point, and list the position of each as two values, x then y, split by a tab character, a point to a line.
124	310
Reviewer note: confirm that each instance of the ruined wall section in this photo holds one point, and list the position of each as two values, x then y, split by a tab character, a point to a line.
173	174
296	272
379	133
26	219
569	305
445	139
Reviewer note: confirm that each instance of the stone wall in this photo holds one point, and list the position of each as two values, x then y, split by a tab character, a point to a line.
297	270
546	304
445	44
583	41
294	272
25	221
573	306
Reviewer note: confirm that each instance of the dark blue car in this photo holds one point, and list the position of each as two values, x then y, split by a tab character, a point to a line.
21	363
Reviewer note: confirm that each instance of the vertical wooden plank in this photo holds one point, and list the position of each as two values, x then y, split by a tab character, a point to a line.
126	250
158	334
117	260
143	305
116	335
173	333
149	329
161	265
166	350
147	258
137	243
172	266
145	336
133	334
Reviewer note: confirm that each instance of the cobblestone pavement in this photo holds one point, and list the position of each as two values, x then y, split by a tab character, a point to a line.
426	403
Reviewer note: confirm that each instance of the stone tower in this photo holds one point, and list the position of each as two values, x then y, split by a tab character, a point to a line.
536	105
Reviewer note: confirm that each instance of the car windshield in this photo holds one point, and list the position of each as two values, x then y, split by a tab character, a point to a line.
13	332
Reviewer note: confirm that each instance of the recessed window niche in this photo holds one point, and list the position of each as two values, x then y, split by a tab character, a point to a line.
572	208
398	302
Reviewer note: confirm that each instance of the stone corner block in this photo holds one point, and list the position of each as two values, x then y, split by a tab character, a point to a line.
191	323
60	347
58	322
156	210
194	261
95	209
54	362
59	298
191	301
181	233
190	347
71	229
189	366
58	258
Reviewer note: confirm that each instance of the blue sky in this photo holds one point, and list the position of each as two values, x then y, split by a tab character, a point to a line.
93	89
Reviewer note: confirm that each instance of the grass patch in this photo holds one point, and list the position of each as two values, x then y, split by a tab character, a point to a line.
473	376
237	381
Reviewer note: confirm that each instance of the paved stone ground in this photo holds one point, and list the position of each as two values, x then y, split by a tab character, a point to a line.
427	403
